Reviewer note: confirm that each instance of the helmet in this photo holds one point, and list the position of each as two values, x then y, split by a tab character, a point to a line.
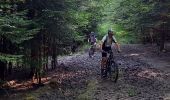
111	31
92	33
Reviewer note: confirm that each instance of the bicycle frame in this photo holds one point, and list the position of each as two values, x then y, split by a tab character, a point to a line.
110	60
111	65
92	50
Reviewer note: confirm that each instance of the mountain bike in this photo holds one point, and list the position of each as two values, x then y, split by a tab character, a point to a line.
111	67
92	50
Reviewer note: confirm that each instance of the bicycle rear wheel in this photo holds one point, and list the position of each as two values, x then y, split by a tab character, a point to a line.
91	52
114	72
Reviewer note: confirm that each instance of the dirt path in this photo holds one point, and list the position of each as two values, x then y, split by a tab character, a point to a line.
143	76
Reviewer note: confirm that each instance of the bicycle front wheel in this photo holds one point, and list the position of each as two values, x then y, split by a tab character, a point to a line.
114	72
91	52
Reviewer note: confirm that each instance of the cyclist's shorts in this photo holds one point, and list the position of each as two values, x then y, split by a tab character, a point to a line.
92	43
105	49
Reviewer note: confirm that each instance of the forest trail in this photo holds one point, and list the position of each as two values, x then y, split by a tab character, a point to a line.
144	75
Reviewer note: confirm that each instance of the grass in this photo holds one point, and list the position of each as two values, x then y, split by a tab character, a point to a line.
83	48
88	93
131	92
30	98
33	95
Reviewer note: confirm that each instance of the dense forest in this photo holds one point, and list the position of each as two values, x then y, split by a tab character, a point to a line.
34	31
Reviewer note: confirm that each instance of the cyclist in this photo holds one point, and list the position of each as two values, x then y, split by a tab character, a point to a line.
106	45
92	40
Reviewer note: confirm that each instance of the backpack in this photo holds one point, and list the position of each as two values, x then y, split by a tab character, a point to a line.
107	39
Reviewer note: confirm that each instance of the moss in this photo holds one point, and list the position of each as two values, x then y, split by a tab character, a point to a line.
37	93
30	98
88	93
132	92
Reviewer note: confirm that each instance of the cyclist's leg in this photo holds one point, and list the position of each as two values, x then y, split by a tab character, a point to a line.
90	50
109	63
103	64
107	68
92	46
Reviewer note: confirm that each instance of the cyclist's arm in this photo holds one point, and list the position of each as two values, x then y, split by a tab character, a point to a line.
101	44
88	40
116	44
118	47
96	39
102	41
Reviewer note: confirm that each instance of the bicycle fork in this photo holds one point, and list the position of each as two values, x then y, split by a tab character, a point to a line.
106	70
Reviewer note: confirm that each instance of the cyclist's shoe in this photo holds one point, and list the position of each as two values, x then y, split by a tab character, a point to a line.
102	72
103	75
119	51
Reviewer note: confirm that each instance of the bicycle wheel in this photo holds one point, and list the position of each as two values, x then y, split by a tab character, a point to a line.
114	72
91	52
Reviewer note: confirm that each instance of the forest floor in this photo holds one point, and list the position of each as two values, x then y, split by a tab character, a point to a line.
144	75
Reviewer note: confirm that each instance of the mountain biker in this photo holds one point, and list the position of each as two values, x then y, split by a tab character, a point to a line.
106	45
92	38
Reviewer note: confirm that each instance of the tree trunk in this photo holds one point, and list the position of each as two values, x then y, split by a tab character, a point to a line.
40	64
2	70
162	41
10	68
46	65
151	36
39	77
54	55
45	58
33	58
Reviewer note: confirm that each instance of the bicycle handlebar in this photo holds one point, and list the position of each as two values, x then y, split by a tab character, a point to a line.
110	51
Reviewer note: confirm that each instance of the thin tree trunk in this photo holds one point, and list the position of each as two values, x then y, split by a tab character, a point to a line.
54	55
162	41
151	36
33	69
10	68
40	64
2	70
